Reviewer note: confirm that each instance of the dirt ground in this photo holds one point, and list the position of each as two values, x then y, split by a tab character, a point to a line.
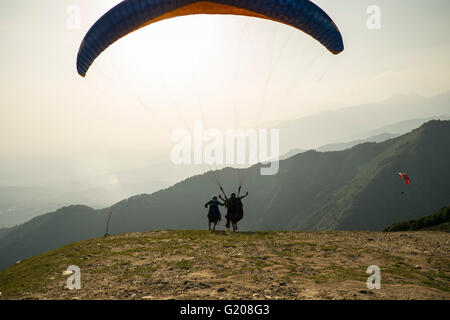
258	265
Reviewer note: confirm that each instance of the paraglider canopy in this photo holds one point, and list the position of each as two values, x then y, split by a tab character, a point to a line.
404	176
131	15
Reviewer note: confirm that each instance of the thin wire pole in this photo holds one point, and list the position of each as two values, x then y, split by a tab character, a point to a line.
107	225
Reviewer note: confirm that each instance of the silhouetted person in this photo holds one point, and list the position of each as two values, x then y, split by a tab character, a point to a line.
214	212
235	210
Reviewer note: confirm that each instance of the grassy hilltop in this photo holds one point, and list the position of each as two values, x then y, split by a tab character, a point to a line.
250	265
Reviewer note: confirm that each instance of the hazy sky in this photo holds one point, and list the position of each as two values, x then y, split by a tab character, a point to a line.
228	71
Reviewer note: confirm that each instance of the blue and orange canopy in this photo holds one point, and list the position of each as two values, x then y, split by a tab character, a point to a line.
131	15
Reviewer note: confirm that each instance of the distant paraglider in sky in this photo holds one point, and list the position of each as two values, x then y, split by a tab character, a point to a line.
405	177
131	15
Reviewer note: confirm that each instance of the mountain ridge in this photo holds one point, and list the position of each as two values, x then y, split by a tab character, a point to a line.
352	122
354	189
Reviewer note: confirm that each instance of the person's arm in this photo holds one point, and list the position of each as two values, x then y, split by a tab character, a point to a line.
225	202
246	194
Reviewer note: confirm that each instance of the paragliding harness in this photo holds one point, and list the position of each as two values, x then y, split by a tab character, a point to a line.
235	208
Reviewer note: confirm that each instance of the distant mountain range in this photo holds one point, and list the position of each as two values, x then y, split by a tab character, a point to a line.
362	122
394	129
20	204
347	145
352	189
377	135
326	131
